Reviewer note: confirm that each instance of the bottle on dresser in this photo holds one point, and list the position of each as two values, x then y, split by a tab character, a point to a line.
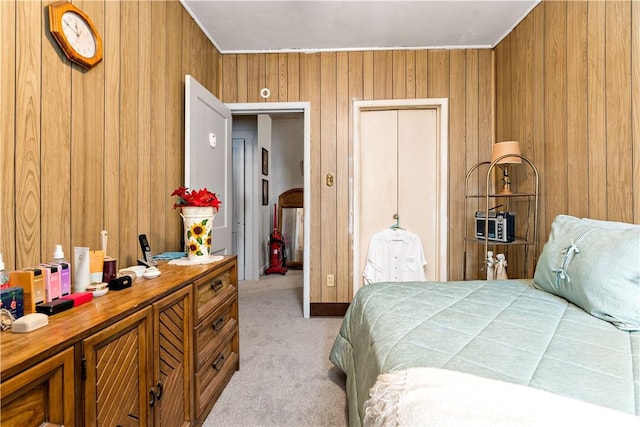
65	270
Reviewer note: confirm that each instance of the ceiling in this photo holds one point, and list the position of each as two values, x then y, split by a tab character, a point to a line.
299	25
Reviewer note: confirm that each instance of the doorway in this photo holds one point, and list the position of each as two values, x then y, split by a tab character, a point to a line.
254	187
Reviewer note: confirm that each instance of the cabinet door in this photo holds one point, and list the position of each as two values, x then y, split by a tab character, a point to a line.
41	394
173	369
118	370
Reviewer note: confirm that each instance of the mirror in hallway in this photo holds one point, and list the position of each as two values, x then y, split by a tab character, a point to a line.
291	215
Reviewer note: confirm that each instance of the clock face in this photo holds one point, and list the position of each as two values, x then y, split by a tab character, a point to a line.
79	34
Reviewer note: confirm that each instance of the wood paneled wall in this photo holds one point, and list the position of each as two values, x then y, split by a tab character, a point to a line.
330	81
568	88
84	151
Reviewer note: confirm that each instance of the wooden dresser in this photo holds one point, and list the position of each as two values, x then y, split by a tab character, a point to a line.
158	353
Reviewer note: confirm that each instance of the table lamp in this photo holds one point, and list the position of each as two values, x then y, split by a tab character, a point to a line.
500	150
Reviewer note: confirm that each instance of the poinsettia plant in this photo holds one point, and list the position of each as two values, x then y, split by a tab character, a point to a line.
199	198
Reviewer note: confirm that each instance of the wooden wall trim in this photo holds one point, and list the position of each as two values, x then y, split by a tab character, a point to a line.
328	309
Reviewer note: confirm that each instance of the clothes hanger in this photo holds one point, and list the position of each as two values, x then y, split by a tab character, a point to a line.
396	226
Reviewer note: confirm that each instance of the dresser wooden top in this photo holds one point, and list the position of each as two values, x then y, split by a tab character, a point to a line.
19	351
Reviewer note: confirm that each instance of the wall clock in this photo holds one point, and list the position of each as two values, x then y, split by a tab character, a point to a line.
75	33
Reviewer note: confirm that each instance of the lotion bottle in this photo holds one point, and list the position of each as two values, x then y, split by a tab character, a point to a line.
80	269
65	270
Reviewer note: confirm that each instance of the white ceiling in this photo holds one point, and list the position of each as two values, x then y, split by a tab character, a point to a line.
300	25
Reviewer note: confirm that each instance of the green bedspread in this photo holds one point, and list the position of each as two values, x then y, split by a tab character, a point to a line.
504	330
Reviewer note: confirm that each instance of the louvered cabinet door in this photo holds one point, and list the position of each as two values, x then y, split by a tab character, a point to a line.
117	368
40	395
172	359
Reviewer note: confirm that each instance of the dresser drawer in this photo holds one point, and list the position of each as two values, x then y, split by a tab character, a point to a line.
215	374
211	291
214	329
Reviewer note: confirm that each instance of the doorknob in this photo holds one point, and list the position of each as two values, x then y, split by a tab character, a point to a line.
330	179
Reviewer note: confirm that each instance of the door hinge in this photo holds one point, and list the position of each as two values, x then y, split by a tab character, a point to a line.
83	368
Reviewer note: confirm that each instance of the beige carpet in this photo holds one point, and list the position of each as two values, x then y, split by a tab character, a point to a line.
285	376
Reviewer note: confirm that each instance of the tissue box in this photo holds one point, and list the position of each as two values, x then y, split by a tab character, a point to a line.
12	299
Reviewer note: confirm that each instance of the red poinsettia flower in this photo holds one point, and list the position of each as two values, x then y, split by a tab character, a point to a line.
200	198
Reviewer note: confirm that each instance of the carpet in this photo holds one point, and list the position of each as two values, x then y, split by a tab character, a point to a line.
285	377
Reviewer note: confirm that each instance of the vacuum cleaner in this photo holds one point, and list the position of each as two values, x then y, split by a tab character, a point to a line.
277	253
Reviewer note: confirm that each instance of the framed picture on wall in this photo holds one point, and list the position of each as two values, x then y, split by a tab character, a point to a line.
265	192
265	162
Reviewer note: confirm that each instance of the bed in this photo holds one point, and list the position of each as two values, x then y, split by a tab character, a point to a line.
569	339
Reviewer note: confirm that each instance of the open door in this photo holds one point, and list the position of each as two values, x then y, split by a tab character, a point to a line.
208	155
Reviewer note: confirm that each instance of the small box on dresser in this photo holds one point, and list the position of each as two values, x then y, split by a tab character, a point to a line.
12	299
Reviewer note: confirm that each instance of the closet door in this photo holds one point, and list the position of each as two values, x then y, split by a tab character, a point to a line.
399	174
378	177
418	181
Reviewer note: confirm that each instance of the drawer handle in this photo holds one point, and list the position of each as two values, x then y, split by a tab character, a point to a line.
217	325
217	364
217	285
152	397
160	389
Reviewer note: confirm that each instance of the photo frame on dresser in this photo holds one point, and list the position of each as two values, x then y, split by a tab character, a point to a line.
265	162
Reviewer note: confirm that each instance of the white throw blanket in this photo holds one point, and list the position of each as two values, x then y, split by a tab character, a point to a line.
439	397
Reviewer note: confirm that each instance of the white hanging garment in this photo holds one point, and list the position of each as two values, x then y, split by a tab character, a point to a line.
395	255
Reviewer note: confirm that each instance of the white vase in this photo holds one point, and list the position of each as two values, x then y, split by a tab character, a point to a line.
198	231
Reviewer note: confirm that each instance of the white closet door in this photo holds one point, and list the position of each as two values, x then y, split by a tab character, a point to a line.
399	174
418	180
378	176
